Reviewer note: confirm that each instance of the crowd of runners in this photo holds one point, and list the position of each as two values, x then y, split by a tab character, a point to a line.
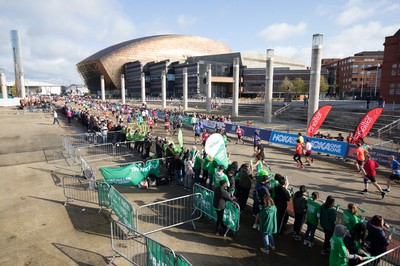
349	242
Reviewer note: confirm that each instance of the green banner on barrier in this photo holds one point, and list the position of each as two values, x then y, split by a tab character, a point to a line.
130	175
205	203
158	254
121	207
231	212
231	216
103	190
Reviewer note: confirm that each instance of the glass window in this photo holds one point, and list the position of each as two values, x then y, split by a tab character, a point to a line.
394	70
398	89
391	91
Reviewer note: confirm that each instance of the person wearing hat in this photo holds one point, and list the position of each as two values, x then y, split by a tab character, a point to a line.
339	253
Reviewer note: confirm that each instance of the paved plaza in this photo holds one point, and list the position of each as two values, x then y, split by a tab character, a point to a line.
37	229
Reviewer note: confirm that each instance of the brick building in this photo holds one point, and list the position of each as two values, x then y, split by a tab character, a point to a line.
390	83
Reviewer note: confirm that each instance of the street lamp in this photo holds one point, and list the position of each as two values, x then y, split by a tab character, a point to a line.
376	78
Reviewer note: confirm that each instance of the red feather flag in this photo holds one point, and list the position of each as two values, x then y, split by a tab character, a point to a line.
317	119
366	123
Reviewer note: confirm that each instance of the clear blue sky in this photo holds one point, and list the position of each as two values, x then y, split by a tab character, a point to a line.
57	34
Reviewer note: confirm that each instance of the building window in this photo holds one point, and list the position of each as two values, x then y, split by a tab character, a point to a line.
391	91
398	89
394	70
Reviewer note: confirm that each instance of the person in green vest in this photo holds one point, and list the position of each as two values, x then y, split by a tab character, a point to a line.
328	219
350	217
129	137
339	253
220	175
313	214
268	224
204	166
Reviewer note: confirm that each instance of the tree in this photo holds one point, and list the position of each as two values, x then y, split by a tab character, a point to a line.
323	87
299	85
14	91
286	85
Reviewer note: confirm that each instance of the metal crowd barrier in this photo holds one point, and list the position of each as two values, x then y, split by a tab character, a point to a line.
141	250
169	213
76	188
388	258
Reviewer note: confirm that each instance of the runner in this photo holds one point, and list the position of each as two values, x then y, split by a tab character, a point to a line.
309	159
239	133
395	166
370	170
360	153
256	138
205	136
196	131
166	126
297	155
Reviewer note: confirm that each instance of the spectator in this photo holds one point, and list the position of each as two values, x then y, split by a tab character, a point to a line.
355	242
328	219
245	185
313	214
376	237
282	197
300	211
350	217
268	224
219	203
339	253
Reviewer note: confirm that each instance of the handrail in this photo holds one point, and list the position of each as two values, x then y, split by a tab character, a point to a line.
388	127
281	110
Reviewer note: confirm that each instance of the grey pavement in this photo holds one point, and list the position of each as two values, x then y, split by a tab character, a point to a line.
37	229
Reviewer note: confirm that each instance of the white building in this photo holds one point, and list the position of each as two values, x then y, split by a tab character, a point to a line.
38	88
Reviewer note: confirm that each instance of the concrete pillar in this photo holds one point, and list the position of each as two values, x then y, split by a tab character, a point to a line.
103	88
185	89
3	85
22	80
123	88
208	94
235	91
164	89
143	86
315	75
269	81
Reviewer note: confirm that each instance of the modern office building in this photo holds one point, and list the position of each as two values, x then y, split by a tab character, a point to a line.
170	54
390	83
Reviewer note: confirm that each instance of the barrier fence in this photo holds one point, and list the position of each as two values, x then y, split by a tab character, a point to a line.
140	249
205	203
76	188
388	258
169	213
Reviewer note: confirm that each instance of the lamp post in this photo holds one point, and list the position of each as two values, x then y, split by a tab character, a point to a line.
315	75
376	78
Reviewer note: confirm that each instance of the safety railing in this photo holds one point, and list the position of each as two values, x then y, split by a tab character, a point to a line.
140	249
231	216
388	258
389	127
282	109
80	189
169	213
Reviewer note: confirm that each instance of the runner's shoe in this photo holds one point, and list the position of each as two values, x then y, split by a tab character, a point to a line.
386	190
383	194
365	191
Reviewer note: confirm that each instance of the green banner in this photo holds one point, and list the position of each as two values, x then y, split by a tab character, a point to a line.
130	175
103	190
180	138
121	207
158	254
231	216
205	203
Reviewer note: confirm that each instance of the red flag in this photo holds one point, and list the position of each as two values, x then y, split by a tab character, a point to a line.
366	123
317	119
